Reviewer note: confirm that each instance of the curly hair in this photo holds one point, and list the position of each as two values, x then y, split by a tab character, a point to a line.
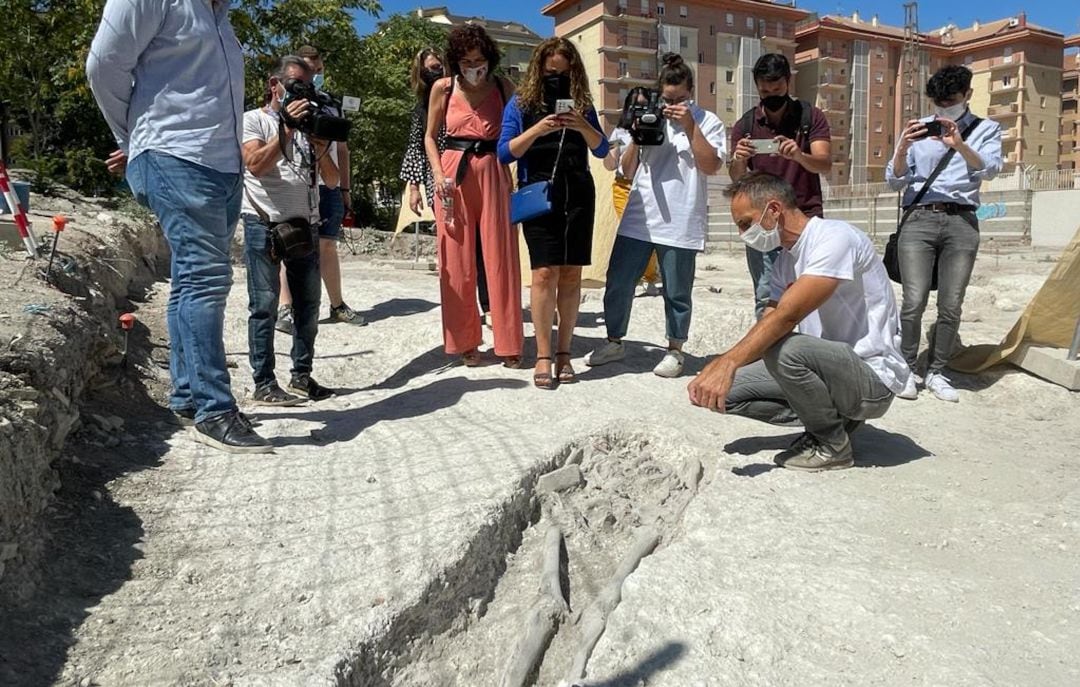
531	92
948	81
416	74
468	37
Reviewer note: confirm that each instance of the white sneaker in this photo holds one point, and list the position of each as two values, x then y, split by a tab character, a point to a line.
608	353
671	365
911	391
939	386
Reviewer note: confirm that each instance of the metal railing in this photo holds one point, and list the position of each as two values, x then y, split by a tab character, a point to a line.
624	40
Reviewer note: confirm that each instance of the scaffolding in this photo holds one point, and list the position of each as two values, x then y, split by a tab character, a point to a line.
911	66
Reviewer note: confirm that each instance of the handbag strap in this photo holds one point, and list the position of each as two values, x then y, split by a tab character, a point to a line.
558	154
941	165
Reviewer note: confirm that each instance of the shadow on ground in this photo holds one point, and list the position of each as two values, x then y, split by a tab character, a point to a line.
90	540
664	657
874	448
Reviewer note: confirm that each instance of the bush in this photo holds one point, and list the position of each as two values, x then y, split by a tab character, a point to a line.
86	173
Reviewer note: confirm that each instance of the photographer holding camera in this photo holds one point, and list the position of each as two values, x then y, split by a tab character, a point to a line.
676	145
280	213
939	164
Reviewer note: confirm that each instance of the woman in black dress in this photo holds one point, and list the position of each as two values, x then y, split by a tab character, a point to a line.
551	138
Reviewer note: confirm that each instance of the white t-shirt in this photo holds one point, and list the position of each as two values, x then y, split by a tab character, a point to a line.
862	311
285	191
668	202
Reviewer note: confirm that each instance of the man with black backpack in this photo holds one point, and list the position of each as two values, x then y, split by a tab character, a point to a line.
784	137
939	164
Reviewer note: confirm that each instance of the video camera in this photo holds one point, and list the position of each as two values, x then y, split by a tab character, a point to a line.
643	116
321	121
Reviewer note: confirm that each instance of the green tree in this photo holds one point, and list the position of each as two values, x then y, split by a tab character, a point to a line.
381	77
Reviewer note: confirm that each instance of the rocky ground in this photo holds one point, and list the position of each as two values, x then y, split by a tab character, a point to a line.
397	535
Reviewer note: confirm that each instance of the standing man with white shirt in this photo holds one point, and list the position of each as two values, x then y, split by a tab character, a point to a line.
169	78
941	230
666	213
825	354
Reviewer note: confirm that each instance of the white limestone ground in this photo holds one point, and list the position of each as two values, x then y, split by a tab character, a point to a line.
385	521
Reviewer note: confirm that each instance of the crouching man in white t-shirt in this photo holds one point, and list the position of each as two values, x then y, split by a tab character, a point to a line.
826	353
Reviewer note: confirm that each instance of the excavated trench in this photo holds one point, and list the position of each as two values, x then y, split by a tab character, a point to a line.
530	599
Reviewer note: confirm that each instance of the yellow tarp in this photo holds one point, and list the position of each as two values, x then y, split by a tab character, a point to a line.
406	217
1049	319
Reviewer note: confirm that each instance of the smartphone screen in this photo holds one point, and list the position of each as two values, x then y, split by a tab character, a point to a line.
933	128
763	146
564	105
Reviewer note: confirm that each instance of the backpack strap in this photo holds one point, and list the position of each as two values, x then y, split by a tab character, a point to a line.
806	122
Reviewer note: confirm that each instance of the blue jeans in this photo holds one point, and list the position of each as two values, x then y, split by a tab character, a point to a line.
954	241
198	209
761	265
331	212
629	257
264	290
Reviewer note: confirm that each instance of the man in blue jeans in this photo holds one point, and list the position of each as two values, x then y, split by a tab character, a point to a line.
280	187
825	354
169	79
941	231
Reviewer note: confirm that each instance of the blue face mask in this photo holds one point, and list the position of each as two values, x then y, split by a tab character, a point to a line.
318	81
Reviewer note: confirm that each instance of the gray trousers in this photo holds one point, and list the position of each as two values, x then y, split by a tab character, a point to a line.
954	241
806	380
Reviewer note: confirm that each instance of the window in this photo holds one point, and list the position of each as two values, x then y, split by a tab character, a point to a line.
1042	126
701	57
729	104
624	67
647	66
1040	150
684	42
730	47
779	29
879	77
880	50
712	88
730	19
1008	55
843	97
1006	80
1042	101
622	4
877	152
712	30
750	22
879	101
729	76
660	9
644	6
682	11
879	127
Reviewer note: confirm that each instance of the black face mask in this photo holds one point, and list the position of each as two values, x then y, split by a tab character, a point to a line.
556	87
430	76
775	103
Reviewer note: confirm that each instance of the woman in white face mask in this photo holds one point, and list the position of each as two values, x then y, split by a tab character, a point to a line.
472	201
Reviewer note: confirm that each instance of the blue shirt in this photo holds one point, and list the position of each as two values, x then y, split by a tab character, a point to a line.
512	125
169	76
958	182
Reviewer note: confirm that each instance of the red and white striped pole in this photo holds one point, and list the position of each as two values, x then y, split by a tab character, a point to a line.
18	211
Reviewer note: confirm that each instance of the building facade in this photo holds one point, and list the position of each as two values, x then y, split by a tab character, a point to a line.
621	41
1069	133
516	41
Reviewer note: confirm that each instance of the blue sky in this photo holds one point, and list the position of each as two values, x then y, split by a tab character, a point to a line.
1060	15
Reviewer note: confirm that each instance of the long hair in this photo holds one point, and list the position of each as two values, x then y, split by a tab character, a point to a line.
531	92
416	74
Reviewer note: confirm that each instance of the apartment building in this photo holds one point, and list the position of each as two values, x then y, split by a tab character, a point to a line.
852	70
1069	134
516	40
620	41
1018	76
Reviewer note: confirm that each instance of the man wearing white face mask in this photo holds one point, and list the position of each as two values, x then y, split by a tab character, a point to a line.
940	232
825	354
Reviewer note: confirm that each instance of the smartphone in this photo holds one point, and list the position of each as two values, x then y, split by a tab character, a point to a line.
763	146
564	105
933	128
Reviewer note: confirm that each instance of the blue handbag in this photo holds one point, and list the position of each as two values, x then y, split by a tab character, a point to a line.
534	200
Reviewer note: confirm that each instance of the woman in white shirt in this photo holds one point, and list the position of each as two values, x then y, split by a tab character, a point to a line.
666	213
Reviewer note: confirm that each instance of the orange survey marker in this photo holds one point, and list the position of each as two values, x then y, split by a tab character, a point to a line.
58	224
127	322
19	212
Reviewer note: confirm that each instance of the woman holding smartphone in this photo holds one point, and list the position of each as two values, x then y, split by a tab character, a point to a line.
550	127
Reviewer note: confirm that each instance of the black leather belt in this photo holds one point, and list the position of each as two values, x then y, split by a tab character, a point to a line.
947	208
470	146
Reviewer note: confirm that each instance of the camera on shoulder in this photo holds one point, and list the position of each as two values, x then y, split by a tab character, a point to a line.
643	116
321	121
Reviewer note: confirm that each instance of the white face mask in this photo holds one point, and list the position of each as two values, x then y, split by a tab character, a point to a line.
475	75
761	239
953	112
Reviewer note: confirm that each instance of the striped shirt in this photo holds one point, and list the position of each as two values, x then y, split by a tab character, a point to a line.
286	190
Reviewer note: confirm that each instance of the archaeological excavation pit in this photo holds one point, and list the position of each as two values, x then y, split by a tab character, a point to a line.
533	596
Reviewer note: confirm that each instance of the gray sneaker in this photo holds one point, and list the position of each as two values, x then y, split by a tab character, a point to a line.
804	443
274	395
284	320
343	313
815	457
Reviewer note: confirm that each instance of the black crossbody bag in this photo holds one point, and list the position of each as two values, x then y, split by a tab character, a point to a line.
892	250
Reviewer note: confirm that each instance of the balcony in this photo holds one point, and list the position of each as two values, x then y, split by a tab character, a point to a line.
628	15
1004	88
1010	134
633	77
625	43
1001	111
833	82
1001	64
1074	94
1012	158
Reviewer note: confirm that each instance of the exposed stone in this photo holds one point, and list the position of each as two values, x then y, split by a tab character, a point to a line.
562	479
